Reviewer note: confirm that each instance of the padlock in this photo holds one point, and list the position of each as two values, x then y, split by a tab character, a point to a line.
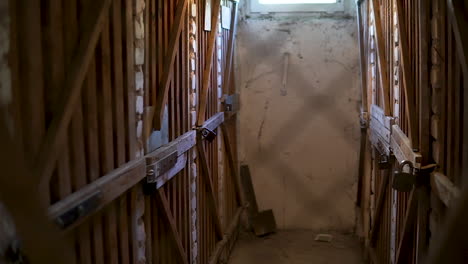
404	181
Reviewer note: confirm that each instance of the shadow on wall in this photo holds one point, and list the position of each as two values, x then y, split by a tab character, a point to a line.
303	192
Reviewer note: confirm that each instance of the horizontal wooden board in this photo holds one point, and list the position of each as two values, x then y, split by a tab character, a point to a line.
402	149
214	122
378	114
110	186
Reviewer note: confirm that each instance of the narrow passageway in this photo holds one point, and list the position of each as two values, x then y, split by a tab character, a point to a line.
296	247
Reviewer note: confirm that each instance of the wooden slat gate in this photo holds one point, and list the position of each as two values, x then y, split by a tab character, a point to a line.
111	103
413	62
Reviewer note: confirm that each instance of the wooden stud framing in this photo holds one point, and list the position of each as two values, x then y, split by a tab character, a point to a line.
379	38
169	63
208	63
50	149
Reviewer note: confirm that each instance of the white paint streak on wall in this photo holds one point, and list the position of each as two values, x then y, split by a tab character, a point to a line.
302	148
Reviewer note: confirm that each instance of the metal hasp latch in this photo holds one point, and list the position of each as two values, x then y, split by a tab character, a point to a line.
74	214
231	103
208	134
404	181
156	169
384	163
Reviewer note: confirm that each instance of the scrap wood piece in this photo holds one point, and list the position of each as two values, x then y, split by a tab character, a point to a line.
209	64
383	71
408	82
76	73
208	181
173	226
168	65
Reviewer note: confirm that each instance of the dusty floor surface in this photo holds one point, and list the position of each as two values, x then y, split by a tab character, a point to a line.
295	247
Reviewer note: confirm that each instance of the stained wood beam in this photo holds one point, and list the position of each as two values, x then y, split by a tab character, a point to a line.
209	182
382	61
168	65
408	81
170	219
51	147
208	63
408	224
378	211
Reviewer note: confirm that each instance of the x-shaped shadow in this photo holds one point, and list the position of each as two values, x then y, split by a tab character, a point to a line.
323	103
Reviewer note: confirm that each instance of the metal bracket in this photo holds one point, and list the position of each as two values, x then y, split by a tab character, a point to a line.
74	214
384	162
208	134
162	166
231	103
156	169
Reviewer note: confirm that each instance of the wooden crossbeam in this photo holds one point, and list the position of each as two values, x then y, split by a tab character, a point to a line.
51	147
402	147
168	65
209	182
208	63
408	225
382	61
232	164
173	226
111	186
408	81
378	211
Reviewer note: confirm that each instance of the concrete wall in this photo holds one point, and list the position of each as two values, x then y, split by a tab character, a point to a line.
302	144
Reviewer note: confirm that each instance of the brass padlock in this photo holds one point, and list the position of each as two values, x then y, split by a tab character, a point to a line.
404	181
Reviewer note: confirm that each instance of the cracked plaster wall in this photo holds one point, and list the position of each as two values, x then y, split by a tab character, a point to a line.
302	147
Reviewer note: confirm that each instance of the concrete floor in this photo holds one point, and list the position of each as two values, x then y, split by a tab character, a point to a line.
295	247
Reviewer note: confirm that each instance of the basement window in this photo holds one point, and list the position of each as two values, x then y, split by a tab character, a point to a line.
278	6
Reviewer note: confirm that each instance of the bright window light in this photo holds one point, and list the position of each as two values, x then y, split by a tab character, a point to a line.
282	2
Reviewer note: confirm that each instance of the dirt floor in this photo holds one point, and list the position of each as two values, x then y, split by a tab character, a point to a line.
295	247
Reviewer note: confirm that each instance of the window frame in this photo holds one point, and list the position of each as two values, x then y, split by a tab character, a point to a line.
256	7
